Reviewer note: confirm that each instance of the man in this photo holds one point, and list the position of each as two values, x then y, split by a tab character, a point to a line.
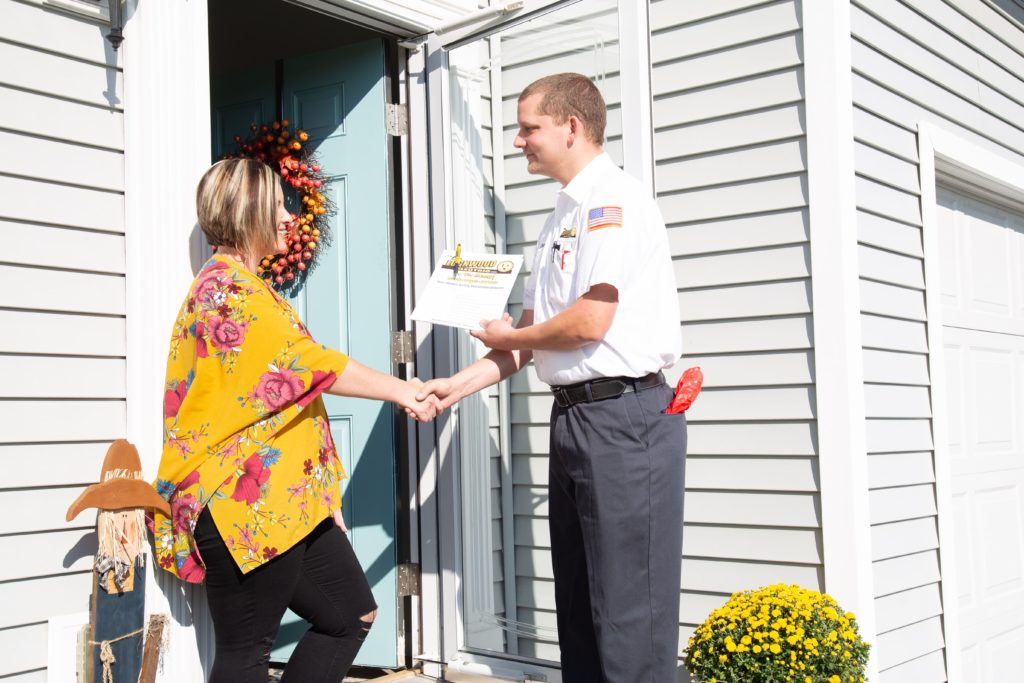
600	320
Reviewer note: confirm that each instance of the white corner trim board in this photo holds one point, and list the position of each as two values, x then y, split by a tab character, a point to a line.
838	359
955	155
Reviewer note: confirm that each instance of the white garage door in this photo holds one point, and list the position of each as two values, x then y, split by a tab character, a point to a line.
982	264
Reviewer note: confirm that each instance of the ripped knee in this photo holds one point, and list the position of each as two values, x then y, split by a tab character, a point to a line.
266	645
365	622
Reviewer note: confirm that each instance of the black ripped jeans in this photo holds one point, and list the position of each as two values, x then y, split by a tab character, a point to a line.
319	579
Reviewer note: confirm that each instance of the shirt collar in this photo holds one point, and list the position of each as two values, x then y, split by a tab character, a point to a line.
581	183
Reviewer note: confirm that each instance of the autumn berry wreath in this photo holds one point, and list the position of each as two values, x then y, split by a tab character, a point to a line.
309	232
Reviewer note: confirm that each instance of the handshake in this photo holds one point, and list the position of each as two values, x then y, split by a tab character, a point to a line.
423	402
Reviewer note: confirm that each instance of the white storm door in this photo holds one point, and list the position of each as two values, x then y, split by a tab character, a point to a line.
497	603
982	262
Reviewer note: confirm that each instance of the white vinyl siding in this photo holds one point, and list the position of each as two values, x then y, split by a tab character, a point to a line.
731	181
62	310
957	64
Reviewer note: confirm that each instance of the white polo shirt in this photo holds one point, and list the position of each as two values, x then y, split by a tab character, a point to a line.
606	229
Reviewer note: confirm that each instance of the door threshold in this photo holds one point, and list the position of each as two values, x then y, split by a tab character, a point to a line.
364	675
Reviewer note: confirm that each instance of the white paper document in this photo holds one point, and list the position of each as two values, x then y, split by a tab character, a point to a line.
466	288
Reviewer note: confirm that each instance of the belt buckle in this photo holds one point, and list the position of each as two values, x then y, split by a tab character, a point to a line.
561	397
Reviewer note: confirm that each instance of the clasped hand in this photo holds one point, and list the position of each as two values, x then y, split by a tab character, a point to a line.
420	409
442	393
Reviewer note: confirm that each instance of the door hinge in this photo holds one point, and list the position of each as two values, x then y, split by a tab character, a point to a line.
408	579
398	119
403	350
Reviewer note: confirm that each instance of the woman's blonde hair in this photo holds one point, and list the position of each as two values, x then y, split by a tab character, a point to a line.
236	206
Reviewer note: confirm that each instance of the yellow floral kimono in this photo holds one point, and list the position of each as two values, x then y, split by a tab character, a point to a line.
245	431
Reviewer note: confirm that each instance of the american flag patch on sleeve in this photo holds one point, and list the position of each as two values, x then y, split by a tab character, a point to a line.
604	217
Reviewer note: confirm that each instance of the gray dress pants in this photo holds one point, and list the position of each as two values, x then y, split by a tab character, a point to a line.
616	516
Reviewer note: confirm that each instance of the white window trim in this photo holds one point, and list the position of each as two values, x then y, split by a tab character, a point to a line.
953	154
835	291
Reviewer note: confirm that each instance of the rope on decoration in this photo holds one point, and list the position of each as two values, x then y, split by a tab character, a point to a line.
107	653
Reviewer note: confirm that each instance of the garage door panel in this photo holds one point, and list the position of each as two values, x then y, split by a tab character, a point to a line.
981	247
994	379
999	511
982	286
954	396
1004	650
964	551
985	398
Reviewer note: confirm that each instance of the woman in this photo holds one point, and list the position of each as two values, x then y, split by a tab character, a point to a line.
249	467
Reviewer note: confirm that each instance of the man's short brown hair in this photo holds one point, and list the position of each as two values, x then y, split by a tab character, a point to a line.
236	206
571	94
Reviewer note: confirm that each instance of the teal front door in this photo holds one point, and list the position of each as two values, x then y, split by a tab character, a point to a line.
338	97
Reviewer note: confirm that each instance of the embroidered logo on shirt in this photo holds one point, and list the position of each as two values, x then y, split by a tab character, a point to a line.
604	217
568	232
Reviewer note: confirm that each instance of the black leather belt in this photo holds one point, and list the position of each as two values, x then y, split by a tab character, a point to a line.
603	388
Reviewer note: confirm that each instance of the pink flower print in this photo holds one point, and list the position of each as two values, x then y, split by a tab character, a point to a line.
209	284
327	499
247	488
192	570
318	384
173	398
225	334
245	537
201	349
230	542
278	389
183	510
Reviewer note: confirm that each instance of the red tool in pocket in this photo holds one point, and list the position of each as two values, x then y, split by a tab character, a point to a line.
686	391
